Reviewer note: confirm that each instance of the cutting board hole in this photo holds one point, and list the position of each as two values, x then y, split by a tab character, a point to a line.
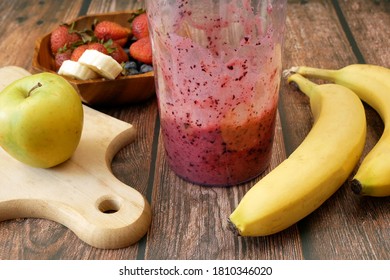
109	205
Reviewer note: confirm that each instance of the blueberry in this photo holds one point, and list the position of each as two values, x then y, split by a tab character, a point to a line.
132	71
130	68
130	65
146	68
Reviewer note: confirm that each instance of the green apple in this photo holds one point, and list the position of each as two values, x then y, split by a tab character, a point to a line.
41	120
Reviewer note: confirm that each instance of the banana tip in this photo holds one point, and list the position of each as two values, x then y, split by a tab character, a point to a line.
356	186
232	227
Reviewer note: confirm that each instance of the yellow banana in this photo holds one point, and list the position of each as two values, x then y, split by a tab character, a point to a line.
372	84
314	171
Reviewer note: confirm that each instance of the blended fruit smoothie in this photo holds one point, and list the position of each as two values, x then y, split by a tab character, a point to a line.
217	69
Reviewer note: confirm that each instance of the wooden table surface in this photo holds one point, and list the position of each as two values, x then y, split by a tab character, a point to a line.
189	221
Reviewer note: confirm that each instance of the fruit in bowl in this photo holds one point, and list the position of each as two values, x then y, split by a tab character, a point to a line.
111	35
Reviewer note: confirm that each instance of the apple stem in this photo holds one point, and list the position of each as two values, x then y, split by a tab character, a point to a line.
34	87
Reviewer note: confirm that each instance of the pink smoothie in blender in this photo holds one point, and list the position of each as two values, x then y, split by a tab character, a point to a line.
217	67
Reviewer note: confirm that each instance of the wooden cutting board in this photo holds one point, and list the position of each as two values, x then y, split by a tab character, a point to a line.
81	193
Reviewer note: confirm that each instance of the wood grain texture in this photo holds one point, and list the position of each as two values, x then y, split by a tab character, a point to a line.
369	23
189	221
23	23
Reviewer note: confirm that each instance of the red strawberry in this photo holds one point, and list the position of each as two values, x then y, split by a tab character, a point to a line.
139	26
60	57
91	46
97	46
78	52
118	53
141	50
106	30
63	37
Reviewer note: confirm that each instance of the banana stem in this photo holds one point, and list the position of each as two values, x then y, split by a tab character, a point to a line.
312	72
304	85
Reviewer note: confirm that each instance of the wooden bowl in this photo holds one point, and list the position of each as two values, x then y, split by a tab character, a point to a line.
123	90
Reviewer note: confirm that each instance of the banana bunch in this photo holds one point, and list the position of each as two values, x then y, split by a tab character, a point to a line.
91	64
372	84
314	171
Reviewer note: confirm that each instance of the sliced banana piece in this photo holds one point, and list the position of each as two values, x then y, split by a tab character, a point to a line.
76	70
101	63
